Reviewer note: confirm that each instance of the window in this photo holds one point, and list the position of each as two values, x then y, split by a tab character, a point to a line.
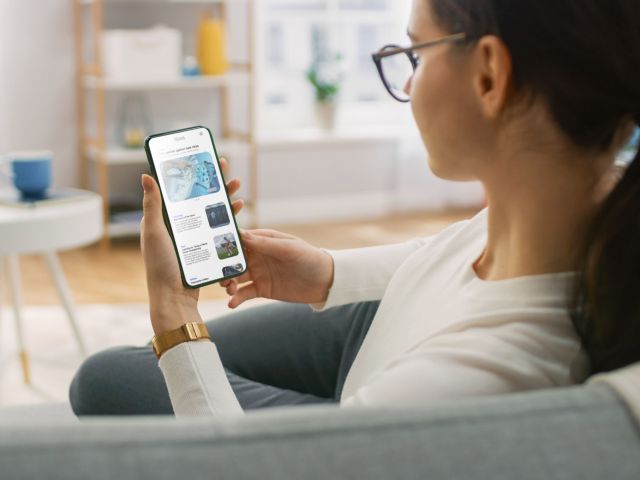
350	29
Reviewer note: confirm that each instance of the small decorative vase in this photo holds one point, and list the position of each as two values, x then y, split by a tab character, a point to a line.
211	48
135	124
326	114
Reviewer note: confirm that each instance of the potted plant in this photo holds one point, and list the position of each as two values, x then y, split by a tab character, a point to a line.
324	77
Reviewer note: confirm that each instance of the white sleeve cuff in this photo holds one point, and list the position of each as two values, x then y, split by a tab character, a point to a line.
196	380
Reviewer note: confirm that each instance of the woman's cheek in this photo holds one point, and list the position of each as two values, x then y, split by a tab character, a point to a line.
418	101
408	85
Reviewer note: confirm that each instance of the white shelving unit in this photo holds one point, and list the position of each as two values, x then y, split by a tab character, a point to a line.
200	82
128	156
95	150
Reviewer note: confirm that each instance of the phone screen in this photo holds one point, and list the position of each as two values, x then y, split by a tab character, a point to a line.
197	207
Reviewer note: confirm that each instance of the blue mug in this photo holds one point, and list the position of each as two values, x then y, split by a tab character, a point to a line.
30	172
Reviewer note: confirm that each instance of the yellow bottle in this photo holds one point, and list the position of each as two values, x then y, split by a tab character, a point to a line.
211	48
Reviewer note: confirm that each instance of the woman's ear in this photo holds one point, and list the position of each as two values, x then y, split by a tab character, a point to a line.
492	74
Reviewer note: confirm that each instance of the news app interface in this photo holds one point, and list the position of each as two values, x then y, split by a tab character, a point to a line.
192	186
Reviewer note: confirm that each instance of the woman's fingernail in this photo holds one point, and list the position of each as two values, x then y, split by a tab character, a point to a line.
145	184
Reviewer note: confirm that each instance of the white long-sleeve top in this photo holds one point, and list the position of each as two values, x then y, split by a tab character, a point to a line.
440	332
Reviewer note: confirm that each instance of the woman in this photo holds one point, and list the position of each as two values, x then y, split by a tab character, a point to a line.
530	293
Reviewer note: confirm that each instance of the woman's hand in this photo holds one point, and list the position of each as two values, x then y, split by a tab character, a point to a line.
281	267
170	302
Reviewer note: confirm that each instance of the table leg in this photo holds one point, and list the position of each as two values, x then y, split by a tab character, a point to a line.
63	290
1	292
16	295
1	308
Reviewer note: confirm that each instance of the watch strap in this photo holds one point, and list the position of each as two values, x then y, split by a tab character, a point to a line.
189	332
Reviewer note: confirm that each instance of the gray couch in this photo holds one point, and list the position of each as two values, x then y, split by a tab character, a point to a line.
582	432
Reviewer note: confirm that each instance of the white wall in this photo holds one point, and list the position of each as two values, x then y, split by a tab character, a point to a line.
3	89
38	111
37	93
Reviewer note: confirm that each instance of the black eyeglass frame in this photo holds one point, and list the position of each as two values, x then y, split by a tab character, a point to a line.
390	50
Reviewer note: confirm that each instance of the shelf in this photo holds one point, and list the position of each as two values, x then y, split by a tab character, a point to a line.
123	229
182	2
126	156
287	138
125	223
338	136
231	79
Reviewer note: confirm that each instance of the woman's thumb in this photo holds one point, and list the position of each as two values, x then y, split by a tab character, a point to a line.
151	203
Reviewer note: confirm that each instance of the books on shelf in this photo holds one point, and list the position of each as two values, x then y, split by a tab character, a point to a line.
133	216
125	223
12	198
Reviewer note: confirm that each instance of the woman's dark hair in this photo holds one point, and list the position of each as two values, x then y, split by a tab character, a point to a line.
583	58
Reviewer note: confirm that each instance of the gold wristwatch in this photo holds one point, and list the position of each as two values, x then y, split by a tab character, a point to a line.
189	332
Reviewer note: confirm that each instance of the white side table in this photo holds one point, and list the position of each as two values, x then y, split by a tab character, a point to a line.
46	229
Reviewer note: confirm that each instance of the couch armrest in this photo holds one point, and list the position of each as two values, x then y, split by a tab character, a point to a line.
579	432
42	412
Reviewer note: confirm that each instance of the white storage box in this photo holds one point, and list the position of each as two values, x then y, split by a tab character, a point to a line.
142	55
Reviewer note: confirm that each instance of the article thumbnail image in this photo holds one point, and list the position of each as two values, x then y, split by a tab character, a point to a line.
226	245
232	269
217	215
190	177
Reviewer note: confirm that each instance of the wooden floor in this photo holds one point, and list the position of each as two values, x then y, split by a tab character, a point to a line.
116	275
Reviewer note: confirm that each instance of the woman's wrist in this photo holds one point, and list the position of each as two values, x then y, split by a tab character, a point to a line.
168	314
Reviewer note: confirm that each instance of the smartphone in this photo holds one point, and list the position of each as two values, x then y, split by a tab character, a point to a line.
196	206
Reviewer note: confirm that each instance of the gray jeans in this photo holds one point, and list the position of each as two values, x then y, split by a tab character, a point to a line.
274	355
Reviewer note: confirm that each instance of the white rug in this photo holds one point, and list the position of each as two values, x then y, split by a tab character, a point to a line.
53	351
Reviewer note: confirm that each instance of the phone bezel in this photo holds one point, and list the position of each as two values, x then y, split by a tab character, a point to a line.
165	215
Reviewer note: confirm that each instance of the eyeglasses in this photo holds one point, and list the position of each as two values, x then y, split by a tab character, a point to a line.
396	65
